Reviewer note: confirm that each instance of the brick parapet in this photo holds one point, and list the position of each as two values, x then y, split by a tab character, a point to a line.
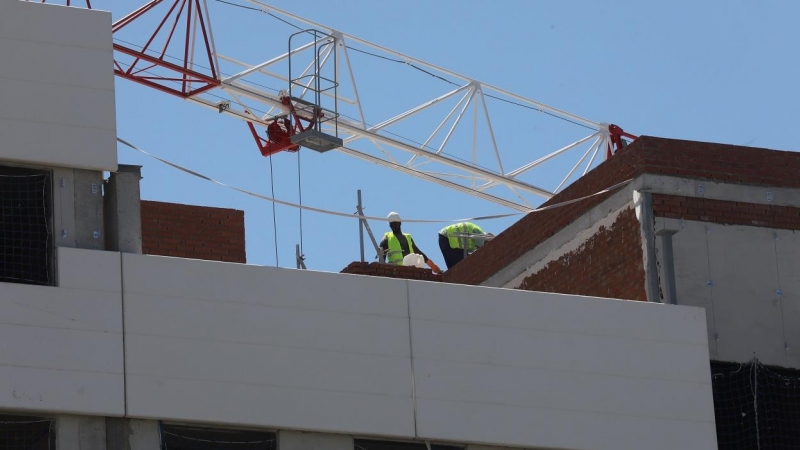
189	231
391	271
685	159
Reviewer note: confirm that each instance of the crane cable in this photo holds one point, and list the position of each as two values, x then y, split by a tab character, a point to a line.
274	218
356	216
300	201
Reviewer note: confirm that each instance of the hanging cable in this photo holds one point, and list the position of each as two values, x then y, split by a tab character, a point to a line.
300	197
274	219
355	216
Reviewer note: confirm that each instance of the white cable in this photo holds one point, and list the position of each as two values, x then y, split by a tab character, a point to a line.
356	216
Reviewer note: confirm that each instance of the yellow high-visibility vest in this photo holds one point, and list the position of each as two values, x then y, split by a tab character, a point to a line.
395	253
462	228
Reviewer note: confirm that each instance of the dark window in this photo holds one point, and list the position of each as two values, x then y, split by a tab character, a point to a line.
27	433
25	242
756	406
364	444
184	437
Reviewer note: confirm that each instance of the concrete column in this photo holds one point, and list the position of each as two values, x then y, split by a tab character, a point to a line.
88	204
644	213
123	225
131	434
297	440
80	433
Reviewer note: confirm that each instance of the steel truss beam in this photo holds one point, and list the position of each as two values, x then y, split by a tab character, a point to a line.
242	97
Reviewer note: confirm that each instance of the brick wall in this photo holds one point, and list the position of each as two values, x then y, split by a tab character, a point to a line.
188	231
391	271
686	159
609	264
726	212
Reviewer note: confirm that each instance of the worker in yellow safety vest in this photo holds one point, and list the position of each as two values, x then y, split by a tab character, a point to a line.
396	244
455	243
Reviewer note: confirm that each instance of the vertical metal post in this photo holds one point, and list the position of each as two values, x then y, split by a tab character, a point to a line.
670	293
360	226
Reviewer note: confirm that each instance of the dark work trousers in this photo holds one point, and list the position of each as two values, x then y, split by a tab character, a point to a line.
451	255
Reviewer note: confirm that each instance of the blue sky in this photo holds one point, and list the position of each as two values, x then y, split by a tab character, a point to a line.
709	71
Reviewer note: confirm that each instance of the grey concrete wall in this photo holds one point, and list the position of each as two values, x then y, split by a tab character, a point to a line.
349	354
298	440
58	86
80	433
123	210
78	211
748	281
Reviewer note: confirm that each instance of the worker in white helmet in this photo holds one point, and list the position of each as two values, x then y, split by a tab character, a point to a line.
396	244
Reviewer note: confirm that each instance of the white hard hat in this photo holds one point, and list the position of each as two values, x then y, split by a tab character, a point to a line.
393	217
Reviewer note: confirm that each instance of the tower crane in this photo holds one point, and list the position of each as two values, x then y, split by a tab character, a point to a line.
307	97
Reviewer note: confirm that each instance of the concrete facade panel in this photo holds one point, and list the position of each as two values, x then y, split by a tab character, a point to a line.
788	266
748	311
37	389
515	368
265	366
267	347
32	21
746	280
86	108
266	286
274	407
78	65
60	116
692	275
516	426
62	346
258	324
560	352
555	312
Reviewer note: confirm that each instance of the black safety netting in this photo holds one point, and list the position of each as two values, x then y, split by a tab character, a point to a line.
756	407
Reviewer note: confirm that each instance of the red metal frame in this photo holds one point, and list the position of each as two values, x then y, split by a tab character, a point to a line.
616	134
69	3
281	130
181	80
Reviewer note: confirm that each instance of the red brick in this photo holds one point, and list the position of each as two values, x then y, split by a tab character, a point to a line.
188	231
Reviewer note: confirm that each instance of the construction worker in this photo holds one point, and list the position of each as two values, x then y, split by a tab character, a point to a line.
455	243
396	244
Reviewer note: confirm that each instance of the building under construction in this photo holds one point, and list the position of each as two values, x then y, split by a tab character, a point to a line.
661	314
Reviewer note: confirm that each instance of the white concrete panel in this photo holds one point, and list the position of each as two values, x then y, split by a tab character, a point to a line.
556	312
266	366
558	429
747	309
546	349
296	440
278	407
531	369
78	66
28	388
57	145
788	263
97	270
269	286
258	324
61	347
752	300
57	79
544	389
231	343
32	21
85	108
692	271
